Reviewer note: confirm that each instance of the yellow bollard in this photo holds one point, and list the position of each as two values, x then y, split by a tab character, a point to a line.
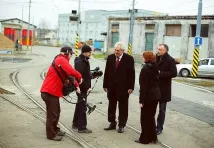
77	47
195	63
129	49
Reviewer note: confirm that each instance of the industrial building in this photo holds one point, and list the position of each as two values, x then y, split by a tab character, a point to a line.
14	28
177	32
93	23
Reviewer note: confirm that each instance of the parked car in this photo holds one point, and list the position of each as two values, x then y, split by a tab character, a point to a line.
205	68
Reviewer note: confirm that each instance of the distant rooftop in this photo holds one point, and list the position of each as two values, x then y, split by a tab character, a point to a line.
4	20
186	17
113	11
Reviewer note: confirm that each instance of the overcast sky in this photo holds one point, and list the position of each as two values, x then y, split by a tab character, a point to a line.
49	9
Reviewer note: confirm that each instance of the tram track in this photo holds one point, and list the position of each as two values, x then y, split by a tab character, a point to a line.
103	113
69	132
2	146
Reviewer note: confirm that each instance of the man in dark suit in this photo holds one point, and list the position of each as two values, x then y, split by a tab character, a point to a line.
119	80
167	71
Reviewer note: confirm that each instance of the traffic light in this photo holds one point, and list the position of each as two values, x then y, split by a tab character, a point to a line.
74	16
74	12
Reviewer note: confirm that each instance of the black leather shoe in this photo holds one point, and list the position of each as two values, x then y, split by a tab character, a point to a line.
56	138
85	131
158	132
61	133
120	130
111	127
138	141
154	141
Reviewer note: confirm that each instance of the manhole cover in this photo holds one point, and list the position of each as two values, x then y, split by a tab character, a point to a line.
4	91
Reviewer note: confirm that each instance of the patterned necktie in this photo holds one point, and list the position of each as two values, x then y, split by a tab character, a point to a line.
117	62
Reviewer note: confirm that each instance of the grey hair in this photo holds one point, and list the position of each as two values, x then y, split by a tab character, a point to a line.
165	46
120	45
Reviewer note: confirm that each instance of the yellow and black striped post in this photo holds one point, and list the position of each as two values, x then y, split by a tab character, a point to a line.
129	49
20	40
195	63
27	42
77	47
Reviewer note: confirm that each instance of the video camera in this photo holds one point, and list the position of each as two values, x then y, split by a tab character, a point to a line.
96	72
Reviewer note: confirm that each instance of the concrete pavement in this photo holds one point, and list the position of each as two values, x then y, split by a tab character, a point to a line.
180	129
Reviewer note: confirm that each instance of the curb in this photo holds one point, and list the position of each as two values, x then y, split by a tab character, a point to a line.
195	86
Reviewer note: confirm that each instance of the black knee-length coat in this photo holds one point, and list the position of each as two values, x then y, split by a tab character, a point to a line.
119	81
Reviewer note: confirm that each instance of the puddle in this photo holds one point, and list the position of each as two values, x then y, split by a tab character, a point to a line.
14	60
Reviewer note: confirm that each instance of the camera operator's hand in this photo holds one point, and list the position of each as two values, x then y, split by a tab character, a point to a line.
81	80
130	91
89	90
105	89
78	90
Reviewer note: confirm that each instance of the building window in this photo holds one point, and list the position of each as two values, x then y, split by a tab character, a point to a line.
173	30
212	62
114	38
115	26
150	26
204	30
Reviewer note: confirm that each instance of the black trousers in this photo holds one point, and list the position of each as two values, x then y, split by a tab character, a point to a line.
123	111
148	127
80	119
53	114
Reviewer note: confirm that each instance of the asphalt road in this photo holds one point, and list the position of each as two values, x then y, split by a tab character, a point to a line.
187	100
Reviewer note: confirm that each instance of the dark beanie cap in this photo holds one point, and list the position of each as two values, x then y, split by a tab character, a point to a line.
86	48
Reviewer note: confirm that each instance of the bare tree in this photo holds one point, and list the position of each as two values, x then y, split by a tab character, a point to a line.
43	29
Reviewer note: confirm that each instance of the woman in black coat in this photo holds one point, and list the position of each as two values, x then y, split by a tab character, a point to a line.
148	100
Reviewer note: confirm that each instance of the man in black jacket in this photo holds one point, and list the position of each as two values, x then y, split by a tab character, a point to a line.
82	65
167	71
119	80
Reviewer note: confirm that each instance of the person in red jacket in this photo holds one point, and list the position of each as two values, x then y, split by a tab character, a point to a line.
51	91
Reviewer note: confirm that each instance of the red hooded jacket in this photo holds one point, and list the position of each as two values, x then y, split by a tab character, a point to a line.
52	83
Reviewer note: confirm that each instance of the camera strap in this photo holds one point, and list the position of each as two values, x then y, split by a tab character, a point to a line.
54	66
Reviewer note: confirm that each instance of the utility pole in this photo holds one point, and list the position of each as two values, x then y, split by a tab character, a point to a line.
32	39
198	42
131	29
28	32
57	43
78	23
21	27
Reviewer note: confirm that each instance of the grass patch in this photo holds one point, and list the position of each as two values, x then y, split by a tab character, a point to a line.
99	56
199	83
